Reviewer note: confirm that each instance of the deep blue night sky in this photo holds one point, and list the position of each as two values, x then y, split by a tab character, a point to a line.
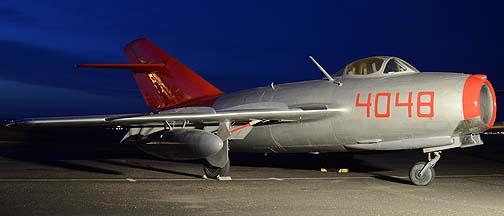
233	44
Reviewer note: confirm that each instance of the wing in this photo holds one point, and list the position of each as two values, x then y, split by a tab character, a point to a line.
202	115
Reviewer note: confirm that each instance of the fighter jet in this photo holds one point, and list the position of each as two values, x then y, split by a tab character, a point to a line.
378	103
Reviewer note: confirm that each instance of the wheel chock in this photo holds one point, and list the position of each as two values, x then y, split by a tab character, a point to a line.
323	170
343	170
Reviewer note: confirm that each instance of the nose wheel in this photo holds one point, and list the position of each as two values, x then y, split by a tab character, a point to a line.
423	173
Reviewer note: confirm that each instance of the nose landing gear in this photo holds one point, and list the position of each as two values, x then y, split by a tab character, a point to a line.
423	173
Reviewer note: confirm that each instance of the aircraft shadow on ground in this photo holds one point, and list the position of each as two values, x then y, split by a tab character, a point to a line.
60	156
392	179
78	167
44	150
334	161
146	167
491	158
303	162
54	153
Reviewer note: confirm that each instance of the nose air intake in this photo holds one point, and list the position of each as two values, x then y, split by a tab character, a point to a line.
478	99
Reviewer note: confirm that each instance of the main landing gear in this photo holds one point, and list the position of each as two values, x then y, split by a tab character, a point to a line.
215	172
423	173
217	165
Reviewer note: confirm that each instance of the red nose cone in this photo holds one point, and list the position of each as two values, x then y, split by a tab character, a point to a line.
478	99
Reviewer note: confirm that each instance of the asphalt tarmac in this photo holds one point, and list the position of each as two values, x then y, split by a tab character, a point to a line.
90	177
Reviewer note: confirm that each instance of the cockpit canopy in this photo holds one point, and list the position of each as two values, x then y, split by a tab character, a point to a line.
376	66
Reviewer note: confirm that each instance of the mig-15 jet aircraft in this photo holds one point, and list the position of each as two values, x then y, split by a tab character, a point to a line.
374	104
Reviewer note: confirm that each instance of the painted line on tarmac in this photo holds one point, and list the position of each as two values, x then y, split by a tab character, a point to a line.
167	179
470	176
68	180
303	178
133	180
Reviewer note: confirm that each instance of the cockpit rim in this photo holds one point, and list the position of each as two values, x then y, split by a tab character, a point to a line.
409	69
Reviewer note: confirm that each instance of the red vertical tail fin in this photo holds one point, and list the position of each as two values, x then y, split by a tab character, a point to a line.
170	85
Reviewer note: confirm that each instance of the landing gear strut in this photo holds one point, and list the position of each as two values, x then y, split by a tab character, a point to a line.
423	173
217	165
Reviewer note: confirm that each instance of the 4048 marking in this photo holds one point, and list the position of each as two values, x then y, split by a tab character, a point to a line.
423	99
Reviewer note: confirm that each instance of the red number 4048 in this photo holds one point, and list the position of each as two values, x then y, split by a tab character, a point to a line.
423	99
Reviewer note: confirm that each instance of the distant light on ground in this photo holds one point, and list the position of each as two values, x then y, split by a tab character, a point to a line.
493	132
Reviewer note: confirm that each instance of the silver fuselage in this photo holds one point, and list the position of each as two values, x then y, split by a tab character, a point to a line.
353	127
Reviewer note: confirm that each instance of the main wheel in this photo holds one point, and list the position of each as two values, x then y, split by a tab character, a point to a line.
214	172
423	180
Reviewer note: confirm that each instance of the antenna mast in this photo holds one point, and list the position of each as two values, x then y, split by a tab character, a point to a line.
321	68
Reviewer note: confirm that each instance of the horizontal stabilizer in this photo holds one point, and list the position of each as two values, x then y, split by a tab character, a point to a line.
135	67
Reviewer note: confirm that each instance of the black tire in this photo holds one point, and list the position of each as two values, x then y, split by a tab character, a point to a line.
214	172
424	180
